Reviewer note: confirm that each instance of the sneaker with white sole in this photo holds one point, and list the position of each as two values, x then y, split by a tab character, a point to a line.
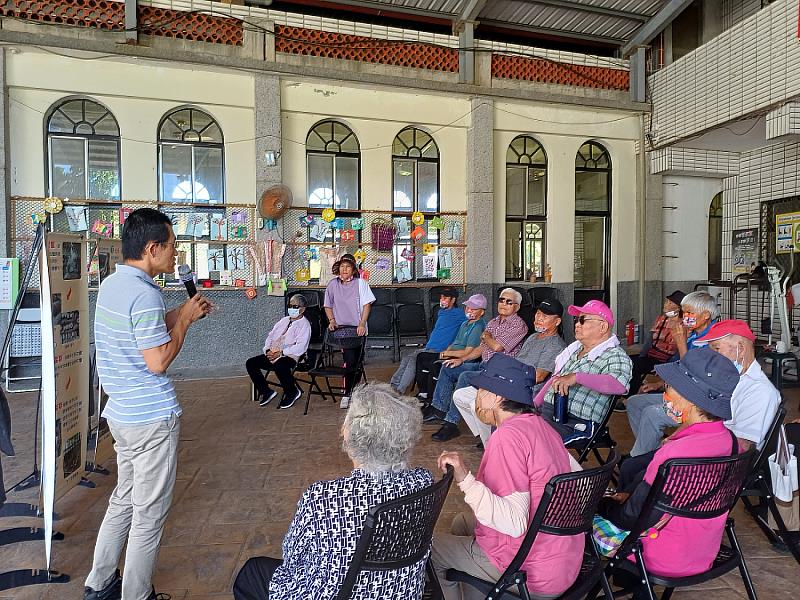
344	402
268	398
288	401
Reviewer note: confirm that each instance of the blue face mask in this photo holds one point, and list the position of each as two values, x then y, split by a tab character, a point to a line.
294	312
739	365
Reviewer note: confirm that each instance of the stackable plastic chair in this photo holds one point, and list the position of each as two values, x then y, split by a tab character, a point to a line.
328	368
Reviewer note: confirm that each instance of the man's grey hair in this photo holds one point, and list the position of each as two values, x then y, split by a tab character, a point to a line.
512	292
381	428
701	302
301	300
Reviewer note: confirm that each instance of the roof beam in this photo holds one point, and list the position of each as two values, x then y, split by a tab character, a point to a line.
591	8
471	10
655	25
562	34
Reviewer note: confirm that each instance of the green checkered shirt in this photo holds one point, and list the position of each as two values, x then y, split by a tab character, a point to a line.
586	403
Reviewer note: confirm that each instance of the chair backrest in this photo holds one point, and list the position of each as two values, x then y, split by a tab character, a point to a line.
314	316
770	440
539	293
381	320
587	445
312	296
409	295
526	299
383	296
411	320
567	507
397	533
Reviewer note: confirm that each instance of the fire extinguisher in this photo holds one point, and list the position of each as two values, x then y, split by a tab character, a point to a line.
629	330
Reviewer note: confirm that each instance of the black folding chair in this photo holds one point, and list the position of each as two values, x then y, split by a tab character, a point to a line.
313	297
759	485
601	439
526	310
325	368
383	296
410	317
539	293
397	533
567	507
692	488
381	326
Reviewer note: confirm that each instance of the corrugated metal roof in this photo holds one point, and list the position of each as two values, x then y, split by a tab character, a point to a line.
614	21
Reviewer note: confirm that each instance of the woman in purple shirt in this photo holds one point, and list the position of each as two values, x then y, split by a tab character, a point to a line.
348	299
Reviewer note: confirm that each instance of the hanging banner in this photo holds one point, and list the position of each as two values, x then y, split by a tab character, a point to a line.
65	363
787	233
109	254
744	253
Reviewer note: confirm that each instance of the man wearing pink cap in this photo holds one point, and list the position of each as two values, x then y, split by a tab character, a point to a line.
590	372
753	405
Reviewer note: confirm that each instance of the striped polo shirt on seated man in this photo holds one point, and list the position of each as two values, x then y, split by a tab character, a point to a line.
130	318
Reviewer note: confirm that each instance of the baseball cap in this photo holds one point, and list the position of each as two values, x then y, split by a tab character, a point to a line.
449	292
727	327
475	301
705	378
551	306
507	377
593	307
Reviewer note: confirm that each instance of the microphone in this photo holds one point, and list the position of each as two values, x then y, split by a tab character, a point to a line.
187	277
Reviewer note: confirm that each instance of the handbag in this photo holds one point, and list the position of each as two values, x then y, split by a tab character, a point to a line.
383	234
783	474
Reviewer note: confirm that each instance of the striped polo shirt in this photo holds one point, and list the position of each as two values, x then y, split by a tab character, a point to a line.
130	318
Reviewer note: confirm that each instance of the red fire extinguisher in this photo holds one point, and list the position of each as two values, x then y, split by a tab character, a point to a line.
629	330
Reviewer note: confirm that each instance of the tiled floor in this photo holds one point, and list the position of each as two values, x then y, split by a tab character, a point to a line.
241	471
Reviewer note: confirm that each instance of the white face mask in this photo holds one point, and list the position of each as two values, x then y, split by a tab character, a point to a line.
472	314
444	304
539	329
294	312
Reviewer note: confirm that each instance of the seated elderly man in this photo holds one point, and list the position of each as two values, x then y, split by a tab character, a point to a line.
590	372
379	434
539	351
522	455
444	332
503	334
285	344
754	404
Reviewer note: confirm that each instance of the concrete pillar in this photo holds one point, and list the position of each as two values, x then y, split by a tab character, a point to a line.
5	162
480	192
267	89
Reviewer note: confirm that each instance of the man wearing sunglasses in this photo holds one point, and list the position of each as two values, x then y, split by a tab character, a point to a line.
590	372
503	334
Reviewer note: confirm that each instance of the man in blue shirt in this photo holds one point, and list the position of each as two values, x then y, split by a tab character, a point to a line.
444	332
136	341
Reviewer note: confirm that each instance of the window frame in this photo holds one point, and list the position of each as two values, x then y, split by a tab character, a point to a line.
334	155
86	138
605	214
526	217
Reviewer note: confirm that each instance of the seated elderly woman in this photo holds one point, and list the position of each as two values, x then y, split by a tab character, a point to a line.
522	455
286	343
379	433
699	389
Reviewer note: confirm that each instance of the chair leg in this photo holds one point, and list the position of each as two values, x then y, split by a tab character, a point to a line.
637	552
748	583
308	399
667	593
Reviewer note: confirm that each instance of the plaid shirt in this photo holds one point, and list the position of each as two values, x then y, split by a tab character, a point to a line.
586	403
510	332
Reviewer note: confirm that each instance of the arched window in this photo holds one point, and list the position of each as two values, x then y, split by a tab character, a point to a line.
592	223
715	238
83	151
191	158
415	187
526	209
333	172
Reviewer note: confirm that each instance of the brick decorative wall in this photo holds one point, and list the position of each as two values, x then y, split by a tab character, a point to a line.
110	16
327	44
545	71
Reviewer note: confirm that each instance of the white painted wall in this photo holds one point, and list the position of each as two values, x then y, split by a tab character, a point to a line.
138	93
691	197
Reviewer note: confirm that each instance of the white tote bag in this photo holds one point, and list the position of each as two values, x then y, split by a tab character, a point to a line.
783	469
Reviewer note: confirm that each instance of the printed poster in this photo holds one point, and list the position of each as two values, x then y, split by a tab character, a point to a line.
744	254
787	230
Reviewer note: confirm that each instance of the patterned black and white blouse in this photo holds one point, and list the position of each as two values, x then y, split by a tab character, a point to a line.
322	539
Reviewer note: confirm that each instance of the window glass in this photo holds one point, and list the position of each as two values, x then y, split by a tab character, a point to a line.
176	173
534	250
515	191
428	186
513	249
590	239
68	167
320	180
208	175
536	192
403	184
103	169
346	182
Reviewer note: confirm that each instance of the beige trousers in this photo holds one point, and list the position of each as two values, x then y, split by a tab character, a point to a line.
147	457
464	399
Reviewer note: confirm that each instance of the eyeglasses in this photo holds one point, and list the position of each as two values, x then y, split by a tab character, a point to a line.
295	306
505	301
583	318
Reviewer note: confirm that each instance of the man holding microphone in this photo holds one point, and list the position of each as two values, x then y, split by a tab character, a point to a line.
136	341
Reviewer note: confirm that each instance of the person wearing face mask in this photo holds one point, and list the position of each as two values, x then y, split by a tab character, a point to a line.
348	300
661	346
285	344
699	389
522	455
539	351
467	339
444	332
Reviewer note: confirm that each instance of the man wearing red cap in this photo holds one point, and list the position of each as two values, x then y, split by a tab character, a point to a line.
753	406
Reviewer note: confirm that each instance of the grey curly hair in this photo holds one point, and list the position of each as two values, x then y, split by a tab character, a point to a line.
381	428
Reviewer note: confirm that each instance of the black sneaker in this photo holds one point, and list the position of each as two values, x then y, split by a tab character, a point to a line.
432	415
620	407
158	596
446	433
264	400
288	401
113	591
